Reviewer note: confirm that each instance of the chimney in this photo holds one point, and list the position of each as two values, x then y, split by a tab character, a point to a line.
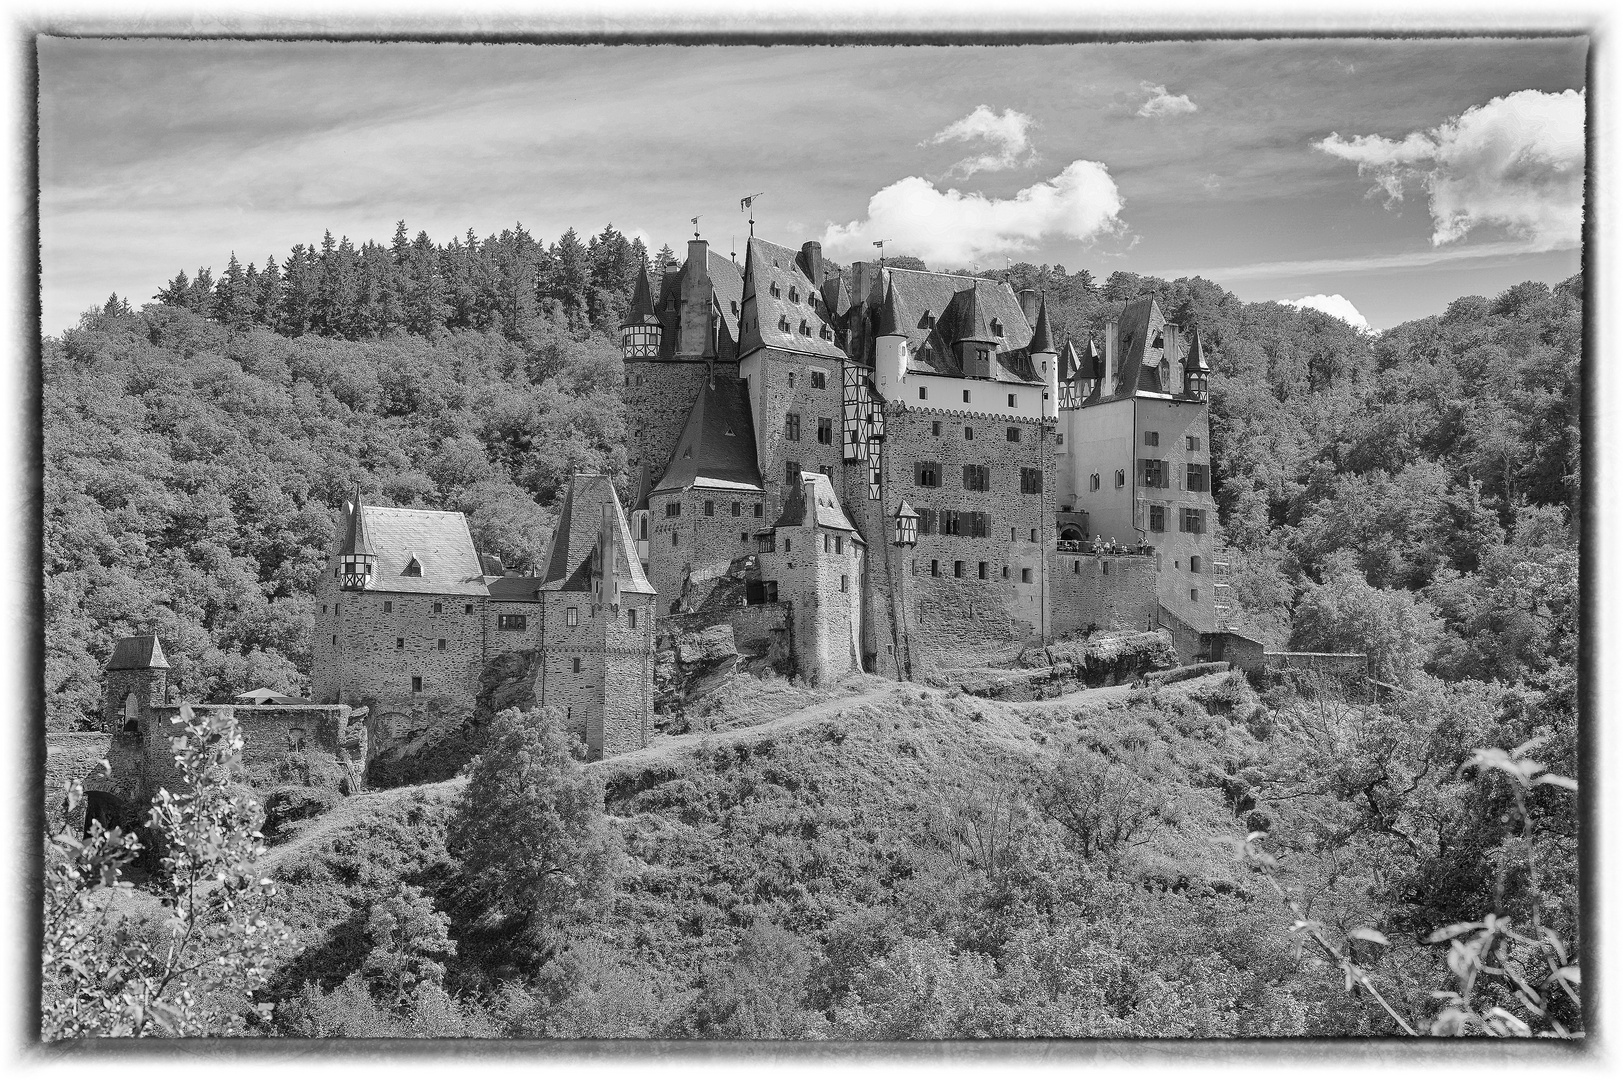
1028	305
811	254
693	340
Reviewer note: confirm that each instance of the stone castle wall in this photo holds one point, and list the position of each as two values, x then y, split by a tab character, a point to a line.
824	608
659	395
1108	592
369	646
953	620
687	570
773	399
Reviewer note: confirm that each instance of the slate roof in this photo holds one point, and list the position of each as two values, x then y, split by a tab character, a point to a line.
826	512
960	309
576	538
514	587
717	446
136	653
642	303
355	540
438	539
765	264
1042	337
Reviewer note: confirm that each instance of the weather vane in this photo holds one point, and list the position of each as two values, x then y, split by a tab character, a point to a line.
695	221
747	203
880	244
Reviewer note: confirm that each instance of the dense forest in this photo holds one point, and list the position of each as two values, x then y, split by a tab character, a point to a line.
941	866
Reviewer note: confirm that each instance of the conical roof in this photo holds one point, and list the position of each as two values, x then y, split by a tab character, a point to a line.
356	541
1042	338
642	302
889	320
1069	363
1197	352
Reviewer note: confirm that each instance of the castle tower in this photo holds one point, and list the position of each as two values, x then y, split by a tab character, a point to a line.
1046	360
683	325
136	681
597	637
890	349
357	562
816	560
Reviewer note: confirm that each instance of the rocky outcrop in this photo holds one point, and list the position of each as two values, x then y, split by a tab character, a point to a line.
1051	670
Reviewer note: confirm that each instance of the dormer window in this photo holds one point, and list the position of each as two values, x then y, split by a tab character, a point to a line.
1159	342
775	290
997	328
927	322
735	307
794	295
414	568
804	329
783	323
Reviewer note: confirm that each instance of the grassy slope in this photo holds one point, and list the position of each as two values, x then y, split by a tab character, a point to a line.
811	830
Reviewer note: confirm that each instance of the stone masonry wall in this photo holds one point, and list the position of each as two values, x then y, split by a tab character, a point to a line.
1109	592
705	544
954	620
809	577
627	707
658	397
369	646
771	403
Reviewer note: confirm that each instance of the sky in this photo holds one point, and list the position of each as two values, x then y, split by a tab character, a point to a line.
1375	179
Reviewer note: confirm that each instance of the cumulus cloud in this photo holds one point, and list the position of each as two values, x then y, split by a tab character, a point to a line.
1516	162
954	227
1006	134
1336	306
1162	104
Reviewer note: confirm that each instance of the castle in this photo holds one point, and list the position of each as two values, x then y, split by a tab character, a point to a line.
831	456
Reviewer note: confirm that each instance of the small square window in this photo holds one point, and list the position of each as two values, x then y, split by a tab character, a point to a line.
1194	564
388	606
924	393
417	684
743	537
1005	573
676	539
1194	594
709	508
1121	477
819	380
935	567
1193	442
631	617
966	397
845	583
467	609
572	616
575	663
969	432
958	568
442	644
324	607
760	510
1152	438
981	567
1014	434
935	427
1025	575
738	509
438	607
1033	536
839	545
400	643
1013	401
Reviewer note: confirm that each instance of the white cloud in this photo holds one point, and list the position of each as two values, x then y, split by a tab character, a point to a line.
1516	162
1162	104
953	227
1336	306
1007	135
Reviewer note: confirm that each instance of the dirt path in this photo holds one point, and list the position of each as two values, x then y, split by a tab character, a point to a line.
676	745
1101	695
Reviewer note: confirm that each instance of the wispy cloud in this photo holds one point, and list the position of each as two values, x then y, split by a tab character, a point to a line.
1006	135
1081	203
1335	305
1516	162
1403	260
1162	104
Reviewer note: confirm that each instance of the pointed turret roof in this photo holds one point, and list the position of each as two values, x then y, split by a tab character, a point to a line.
574	542
717	446
642	302
889	321
356	541
1197	352
137	653
1042	338
1070	365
